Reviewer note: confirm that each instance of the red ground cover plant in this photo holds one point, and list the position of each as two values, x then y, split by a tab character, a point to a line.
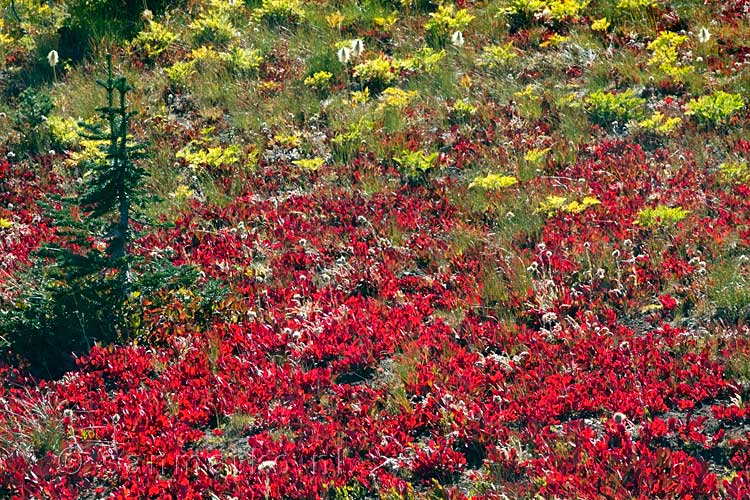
335	364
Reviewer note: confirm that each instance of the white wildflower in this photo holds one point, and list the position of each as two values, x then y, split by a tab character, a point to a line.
266	464
357	48
457	39
704	35
344	54
549	318
53	58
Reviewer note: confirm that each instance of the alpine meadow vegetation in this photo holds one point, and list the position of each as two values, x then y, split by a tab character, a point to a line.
374	249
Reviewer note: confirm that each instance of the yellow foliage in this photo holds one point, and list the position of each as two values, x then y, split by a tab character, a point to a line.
493	182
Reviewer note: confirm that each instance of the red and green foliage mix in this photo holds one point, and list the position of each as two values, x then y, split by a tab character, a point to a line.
543	304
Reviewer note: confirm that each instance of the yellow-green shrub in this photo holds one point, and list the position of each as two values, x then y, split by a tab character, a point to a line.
493	182
153	41
607	107
660	215
415	164
445	21
660	124
716	108
664	56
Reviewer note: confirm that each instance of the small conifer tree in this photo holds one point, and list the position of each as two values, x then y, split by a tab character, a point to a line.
81	279
115	186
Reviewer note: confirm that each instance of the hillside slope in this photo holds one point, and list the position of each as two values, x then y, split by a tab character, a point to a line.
491	249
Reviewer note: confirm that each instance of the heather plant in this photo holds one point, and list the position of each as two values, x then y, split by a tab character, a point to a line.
554	204
424	60
498	57
462	111
309	164
660	124
320	80
636	5
63	132
181	72
524	12
214	158
493	182
735	172
396	98
348	141
601	25
242	60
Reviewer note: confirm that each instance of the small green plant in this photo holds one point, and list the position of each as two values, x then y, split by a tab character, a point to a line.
213	158
180	72
553	204
462	111
525	12
310	164
534	157
728	290
424	60
660	215
606	107
64	132
715	109
348	141
416	164
241	60
30	118
394	97
498	56
320	80
576	207
601	25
